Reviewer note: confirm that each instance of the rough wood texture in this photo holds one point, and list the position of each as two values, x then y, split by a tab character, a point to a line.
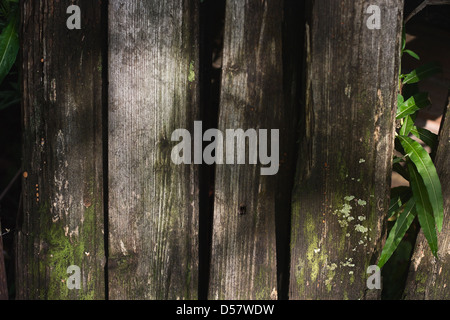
62	221
153	203
243	264
344	161
428	277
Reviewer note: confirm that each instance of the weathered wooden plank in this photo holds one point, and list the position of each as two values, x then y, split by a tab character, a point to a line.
243	264
153	203
62	221
343	171
429	278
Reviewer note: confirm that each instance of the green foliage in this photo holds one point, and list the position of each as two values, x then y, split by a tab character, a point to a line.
429	138
407	213
423	198
422	72
423	208
412	105
412	54
425	168
9	47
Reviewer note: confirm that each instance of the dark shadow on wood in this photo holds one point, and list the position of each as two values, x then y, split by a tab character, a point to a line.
212	15
293	66
3	284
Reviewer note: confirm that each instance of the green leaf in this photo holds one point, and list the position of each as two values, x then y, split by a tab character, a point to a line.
429	138
398	231
398	146
422	72
408	124
426	169
423	207
403	38
399	196
412	54
398	160
9	46
410	106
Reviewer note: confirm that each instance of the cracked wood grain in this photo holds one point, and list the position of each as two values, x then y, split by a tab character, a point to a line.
153	203
62	220
344	165
244	252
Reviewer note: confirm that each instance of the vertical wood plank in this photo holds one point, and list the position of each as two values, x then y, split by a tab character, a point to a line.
153	203
344	164
243	264
429	278
62	222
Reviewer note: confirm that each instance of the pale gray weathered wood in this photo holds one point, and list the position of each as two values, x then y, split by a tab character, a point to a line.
153	203
243	264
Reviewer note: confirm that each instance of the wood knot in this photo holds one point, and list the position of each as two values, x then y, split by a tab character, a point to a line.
87	203
242	209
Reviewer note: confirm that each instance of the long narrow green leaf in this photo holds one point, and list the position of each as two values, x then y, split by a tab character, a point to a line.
9	46
398	160
429	138
425	167
408	124
398	231
423	207
398	146
422	72
403	38
399	196
410	106
412	54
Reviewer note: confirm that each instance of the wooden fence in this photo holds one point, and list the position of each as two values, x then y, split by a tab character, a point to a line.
101	192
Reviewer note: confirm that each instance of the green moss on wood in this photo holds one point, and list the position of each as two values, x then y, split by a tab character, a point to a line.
300	275
191	76
60	249
262	288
